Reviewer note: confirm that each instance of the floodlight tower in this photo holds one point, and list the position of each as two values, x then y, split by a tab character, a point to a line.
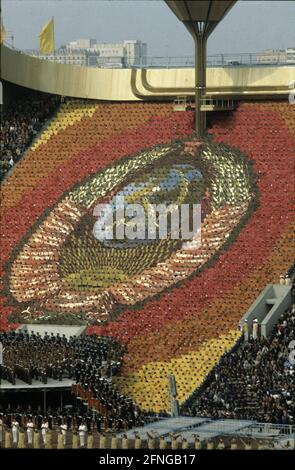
200	17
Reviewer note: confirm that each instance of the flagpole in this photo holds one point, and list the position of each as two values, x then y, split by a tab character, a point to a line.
53	35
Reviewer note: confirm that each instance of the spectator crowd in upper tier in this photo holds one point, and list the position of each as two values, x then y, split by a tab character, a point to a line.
20	123
256	381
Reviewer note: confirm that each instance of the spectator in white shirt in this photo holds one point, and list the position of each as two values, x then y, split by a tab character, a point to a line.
82	433
44	430
30	431
64	430
15	430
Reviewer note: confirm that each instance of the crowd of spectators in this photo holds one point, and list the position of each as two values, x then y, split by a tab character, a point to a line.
31	357
19	125
101	395
255	381
89	362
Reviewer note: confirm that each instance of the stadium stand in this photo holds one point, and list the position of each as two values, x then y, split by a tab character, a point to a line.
186	329
255	381
261	253
89	361
30	356
20	124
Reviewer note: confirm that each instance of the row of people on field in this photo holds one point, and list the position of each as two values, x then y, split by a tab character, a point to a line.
65	438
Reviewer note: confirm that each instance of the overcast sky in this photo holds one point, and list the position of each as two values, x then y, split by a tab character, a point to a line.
250	26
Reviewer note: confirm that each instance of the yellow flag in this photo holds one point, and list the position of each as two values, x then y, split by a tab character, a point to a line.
3	33
47	38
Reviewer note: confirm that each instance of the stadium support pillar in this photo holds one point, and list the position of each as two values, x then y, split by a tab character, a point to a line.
200	19
200	82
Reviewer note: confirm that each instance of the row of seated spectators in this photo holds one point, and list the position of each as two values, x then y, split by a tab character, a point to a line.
255	381
19	125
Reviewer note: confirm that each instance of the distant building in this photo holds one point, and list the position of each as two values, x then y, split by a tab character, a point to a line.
81	44
290	52
273	56
88	52
126	54
79	58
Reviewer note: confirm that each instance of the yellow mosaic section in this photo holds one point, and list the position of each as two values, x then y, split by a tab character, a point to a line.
149	388
68	114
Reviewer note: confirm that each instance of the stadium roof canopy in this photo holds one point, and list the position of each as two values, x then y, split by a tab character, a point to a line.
203	16
200	18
